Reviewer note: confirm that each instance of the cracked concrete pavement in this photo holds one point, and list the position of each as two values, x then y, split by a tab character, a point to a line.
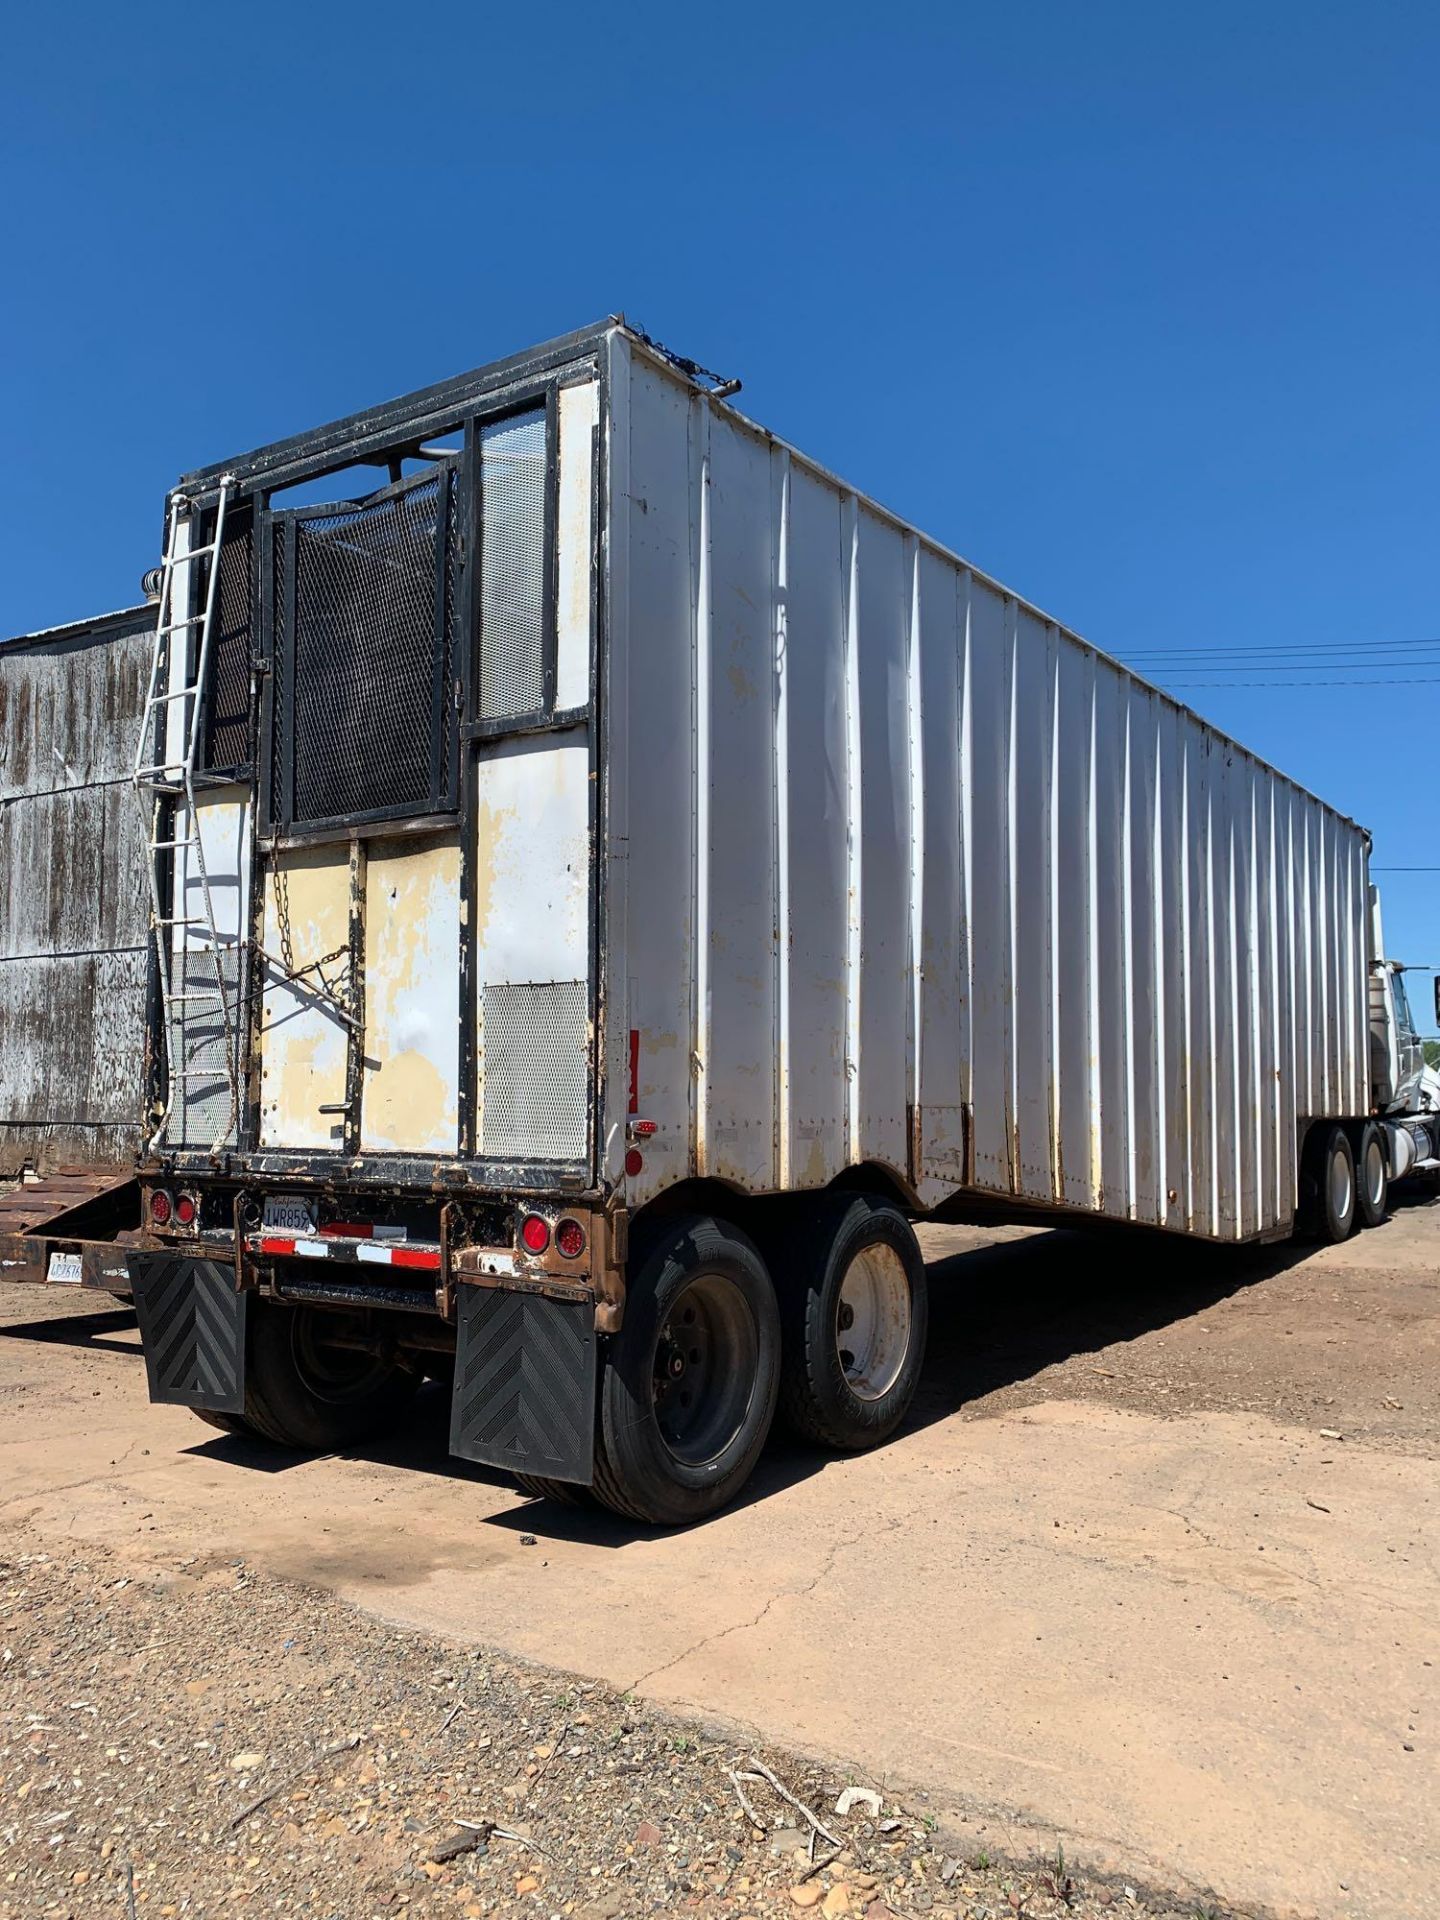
1152	1570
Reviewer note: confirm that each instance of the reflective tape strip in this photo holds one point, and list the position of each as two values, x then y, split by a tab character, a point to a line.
379	1253
415	1257
398	1255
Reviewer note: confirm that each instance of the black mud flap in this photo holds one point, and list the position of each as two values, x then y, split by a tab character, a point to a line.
524	1393
192	1327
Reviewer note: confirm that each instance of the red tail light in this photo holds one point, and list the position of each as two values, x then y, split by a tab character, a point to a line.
534	1233
160	1208
570	1239
187	1211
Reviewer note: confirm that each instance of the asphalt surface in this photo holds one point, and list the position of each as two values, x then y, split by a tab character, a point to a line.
1151	1573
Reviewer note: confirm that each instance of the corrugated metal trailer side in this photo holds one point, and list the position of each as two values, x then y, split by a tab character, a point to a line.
903	873
73	914
761	876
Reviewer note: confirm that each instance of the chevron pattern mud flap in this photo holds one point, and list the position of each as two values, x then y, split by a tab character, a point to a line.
192	1327
525	1383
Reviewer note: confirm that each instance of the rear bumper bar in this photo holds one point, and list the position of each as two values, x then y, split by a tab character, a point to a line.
424	1256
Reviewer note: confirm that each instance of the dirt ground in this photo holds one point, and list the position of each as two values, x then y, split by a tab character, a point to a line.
1150	1579
211	1739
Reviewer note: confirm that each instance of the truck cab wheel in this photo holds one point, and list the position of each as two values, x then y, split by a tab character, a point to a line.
856	1316
690	1382
310	1385
1372	1173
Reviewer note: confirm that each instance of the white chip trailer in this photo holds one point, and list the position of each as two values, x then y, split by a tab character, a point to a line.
611	878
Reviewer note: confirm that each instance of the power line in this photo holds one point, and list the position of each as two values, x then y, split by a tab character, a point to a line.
1162	671
1268	646
1405	869
1280	686
1228	663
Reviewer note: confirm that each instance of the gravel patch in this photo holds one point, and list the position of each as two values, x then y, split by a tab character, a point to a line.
205	1740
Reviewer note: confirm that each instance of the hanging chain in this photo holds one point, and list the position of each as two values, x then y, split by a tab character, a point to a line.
339	995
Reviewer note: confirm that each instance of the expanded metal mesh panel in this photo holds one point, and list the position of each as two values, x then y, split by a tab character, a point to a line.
534	1079
512	566
371	607
227	713
454	643
279	668
200	1113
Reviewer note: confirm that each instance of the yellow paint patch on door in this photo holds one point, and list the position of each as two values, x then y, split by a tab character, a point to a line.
303	1041
412	997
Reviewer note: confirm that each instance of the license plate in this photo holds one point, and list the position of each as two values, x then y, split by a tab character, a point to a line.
284	1214
64	1270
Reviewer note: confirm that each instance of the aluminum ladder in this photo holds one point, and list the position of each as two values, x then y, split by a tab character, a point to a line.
165	780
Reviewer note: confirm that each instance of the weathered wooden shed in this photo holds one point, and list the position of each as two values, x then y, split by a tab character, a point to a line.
73	901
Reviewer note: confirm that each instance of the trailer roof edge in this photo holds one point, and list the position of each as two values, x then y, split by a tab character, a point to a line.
98	624
328	445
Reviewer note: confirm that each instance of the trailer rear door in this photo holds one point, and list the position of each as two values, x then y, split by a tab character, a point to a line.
424	930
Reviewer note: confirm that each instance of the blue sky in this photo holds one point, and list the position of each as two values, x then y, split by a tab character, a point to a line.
1136	306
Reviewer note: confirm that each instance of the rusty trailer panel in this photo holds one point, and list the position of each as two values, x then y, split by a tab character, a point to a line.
73	918
31	1205
85	1215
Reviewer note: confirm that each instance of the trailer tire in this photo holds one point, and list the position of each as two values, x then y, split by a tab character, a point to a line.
689	1384
235	1423
566	1493
1329	1184
1372	1175
300	1393
839	1396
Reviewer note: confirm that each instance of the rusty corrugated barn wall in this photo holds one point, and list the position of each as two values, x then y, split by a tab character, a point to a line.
73	913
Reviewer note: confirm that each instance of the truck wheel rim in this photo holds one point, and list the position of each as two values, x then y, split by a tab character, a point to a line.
1375	1172
872	1321
1340	1187
706	1360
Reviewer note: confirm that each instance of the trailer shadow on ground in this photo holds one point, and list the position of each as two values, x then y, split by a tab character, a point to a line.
107	1330
999	1315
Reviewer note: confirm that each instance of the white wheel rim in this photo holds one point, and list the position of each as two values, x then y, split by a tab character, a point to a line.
1339	1184
872	1321
1375	1172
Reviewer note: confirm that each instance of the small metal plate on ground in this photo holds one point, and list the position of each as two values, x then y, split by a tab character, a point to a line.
524	1394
